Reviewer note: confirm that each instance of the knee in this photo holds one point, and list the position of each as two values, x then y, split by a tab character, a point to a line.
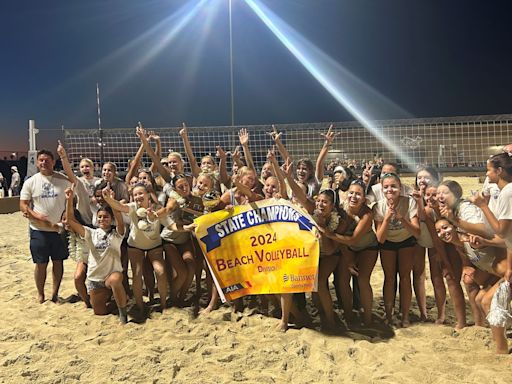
80	276
485	302
99	311
116	278
159	269
468	280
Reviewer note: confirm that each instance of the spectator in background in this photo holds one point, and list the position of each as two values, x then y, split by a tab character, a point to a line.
15	181
3	185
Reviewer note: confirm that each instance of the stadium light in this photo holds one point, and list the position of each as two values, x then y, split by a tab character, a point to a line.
231	64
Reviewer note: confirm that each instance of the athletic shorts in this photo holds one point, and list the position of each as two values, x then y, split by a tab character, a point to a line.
91	285
46	245
392	246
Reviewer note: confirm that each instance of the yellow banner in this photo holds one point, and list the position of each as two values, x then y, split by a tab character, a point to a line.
270	246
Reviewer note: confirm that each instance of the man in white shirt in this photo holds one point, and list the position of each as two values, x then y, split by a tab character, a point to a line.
42	201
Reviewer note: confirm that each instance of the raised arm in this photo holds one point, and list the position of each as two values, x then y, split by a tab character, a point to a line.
235	157
61	151
276	136
141	134
188	150
118	217
329	138
134	164
244	142
158	151
70	214
297	191
271	156
223	167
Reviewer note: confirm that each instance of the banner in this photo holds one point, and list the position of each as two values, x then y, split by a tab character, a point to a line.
269	246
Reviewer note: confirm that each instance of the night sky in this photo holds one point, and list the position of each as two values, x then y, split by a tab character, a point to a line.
430	58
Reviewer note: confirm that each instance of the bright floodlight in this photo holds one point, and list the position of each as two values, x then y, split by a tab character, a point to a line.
363	102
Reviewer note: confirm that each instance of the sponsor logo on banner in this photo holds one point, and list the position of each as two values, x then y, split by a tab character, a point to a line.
270	246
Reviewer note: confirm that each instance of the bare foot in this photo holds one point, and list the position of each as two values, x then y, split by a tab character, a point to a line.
282	326
206	311
56	299
459	327
40	298
440	321
406	323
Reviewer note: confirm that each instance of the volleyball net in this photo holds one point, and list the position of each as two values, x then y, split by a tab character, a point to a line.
456	143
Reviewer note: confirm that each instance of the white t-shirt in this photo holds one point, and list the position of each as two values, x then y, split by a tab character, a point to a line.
396	231
90	185
144	239
482	258
470	212
104	253
47	196
84	202
504	209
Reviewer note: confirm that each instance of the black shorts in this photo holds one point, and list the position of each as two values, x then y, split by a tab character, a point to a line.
392	246
46	245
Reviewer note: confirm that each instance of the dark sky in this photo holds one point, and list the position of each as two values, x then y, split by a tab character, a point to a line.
432	58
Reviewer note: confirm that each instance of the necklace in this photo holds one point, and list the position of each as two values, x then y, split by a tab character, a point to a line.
334	220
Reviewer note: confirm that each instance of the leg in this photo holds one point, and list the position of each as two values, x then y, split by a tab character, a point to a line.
498	333
178	270
57	272
199	257
388	259
326	267
40	278
418	278
346	262
366	262
156	258
405	265
115	282
286	304
213	301
149	278
124	263
80	275
472	290
454	286
190	263
99	299
436	275
136	257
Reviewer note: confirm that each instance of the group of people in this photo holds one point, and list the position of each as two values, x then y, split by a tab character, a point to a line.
12	188
146	220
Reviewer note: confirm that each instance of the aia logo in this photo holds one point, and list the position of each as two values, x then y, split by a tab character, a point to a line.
285	278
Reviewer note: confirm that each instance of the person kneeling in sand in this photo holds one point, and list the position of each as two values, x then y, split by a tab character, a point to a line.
105	271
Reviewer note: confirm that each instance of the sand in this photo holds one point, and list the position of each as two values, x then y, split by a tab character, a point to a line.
66	343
